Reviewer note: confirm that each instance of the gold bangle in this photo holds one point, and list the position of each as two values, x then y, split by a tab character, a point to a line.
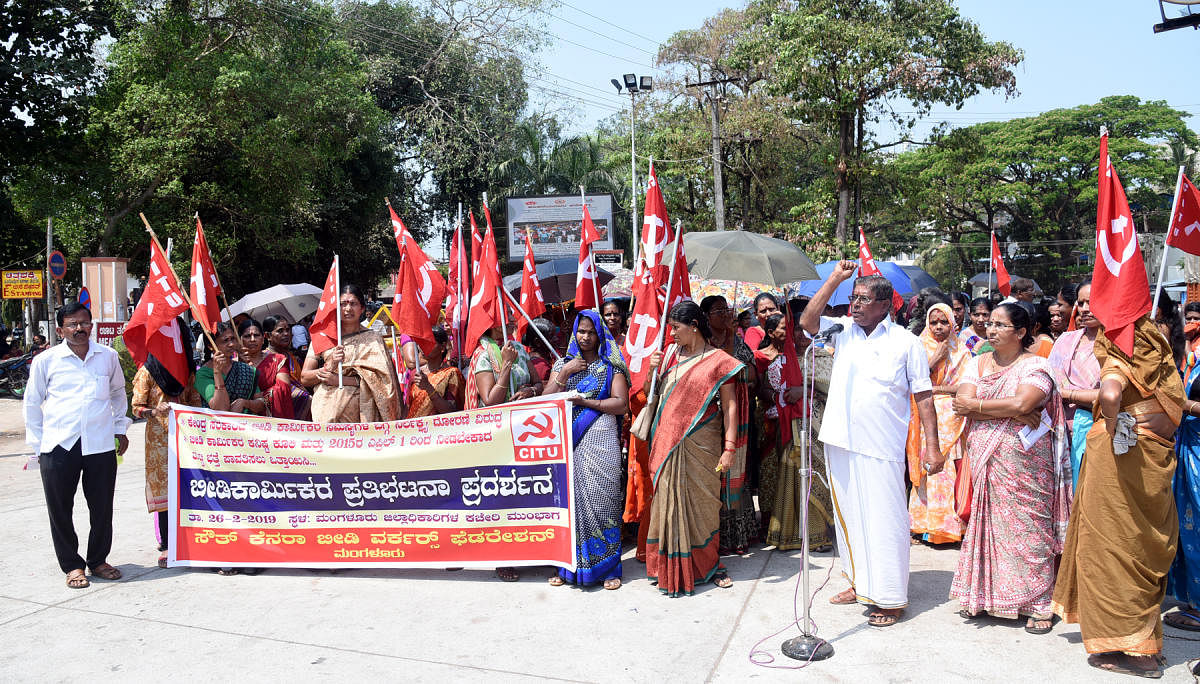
980	411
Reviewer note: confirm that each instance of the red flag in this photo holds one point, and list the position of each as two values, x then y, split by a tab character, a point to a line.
205	288
1120	288
1184	231
408	310
642	337
681	285
868	267
456	307
485	304
428	286
585	277
151	329
1002	279
531	290
323	331
656	232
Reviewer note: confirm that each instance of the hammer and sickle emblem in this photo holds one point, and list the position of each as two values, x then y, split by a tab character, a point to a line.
1118	228
539	430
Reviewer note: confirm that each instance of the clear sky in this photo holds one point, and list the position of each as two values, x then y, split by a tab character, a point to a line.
1075	53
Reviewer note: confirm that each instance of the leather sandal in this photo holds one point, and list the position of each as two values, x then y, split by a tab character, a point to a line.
76	579
106	571
844	598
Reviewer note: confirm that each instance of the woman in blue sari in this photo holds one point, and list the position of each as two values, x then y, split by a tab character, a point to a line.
595	369
1183	582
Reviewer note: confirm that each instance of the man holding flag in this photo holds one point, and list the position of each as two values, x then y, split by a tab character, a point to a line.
1123	531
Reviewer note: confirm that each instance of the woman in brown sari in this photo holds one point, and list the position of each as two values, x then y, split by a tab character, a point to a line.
695	436
369	390
1124	529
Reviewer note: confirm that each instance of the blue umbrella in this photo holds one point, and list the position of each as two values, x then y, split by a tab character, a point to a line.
895	274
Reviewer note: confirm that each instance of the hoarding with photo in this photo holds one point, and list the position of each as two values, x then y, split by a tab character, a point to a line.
554	224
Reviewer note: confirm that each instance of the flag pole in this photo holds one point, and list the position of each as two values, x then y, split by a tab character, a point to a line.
662	324
1162	267
591	257
991	256
186	298
529	320
458	291
337	284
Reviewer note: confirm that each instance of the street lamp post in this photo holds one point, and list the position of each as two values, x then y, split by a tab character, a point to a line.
633	85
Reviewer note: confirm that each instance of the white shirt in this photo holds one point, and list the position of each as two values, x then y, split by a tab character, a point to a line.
299	336
874	377
69	399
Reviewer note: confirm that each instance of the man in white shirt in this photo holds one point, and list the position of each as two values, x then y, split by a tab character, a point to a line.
74	407
878	368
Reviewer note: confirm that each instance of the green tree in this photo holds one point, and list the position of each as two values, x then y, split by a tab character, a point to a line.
1034	179
845	63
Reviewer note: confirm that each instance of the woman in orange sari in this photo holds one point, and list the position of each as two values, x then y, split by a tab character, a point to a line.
694	438
437	386
936	502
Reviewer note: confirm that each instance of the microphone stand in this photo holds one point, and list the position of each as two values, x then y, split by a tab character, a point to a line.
807	647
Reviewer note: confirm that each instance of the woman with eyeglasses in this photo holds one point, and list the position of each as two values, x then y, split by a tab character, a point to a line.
1021	486
1077	374
738	524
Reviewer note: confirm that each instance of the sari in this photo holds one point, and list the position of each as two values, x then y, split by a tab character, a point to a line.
147	395
738	523
374	399
686	438
972	342
767	432
1124	529
285	398
783	530
1183	582
597	461
1075	368
447	381
937	503
241	382
486	359
1020	500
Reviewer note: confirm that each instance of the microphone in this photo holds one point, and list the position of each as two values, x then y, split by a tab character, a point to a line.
830	331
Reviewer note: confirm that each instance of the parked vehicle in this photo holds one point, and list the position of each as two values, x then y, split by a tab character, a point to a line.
14	373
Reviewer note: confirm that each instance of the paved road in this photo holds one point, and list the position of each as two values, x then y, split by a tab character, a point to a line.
432	625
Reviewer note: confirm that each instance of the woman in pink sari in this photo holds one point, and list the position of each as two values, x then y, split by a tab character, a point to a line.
1020	477
279	374
934	510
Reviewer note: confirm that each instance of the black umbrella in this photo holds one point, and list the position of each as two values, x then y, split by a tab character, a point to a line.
557	278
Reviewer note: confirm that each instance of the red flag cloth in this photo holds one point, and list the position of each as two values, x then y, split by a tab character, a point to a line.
585	276
1120	288
456	307
642	336
408	310
656	232
151	329
1184	231
1002	279
323	330
428	285
485	303
867	267
680	287
205	288
531	290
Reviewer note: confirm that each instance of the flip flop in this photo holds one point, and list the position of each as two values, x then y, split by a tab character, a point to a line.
877	619
1176	620
76	579
1101	660
508	574
555	581
845	598
722	580
612	583
1039	630
106	571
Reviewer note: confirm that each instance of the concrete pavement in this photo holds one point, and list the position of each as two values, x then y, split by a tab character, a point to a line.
433	625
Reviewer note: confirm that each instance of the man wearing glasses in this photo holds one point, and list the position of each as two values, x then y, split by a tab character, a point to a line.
879	368
74	407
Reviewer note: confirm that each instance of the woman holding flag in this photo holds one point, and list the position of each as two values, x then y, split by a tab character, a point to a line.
437	385
355	381
595	370
696	435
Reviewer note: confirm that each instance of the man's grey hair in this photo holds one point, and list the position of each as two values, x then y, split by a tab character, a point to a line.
1021	284
879	287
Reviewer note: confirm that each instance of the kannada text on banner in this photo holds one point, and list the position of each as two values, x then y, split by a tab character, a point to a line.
481	488
22	285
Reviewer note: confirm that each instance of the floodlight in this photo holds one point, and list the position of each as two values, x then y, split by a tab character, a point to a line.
647	83
631	82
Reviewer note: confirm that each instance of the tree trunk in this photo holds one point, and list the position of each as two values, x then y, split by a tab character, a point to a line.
842	171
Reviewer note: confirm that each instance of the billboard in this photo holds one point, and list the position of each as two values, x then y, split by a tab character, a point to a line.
28	284
554	223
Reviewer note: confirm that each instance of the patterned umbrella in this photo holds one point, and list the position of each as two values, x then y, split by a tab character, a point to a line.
742	294
621	284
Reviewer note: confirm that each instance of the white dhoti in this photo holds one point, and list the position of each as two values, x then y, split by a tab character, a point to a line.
871	520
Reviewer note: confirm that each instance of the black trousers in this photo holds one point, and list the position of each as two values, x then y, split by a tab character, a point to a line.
61	470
